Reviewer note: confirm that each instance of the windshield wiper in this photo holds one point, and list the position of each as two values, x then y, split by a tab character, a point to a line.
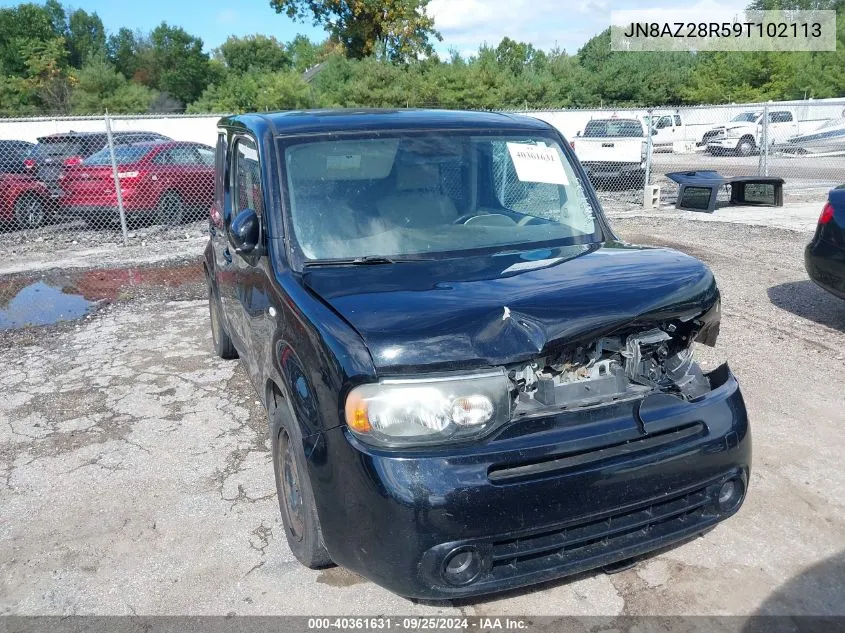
366	260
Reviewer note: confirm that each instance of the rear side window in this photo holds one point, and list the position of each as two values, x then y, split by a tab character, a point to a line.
184	156
57	147
14	150
781	117
122	153
177	156
206	156
246	176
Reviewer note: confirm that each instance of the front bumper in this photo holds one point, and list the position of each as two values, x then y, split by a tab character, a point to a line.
722	144
547	497
825	264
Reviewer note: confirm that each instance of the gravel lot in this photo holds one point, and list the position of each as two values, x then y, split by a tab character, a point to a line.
135	476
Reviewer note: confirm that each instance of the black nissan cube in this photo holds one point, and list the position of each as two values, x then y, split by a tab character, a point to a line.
471	383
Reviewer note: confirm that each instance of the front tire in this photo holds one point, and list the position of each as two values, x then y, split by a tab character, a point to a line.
746	146
170	210
296	498
29	212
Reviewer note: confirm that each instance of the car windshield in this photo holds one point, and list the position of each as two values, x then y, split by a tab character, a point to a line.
122	153
417	194
747	117
613	127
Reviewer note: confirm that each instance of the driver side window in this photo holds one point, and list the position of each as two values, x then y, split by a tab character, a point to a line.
246	177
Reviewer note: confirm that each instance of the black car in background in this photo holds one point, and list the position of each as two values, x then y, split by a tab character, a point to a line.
824	257
47	160
472	384
12	156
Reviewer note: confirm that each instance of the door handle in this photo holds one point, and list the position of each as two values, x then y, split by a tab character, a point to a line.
211	230
227	255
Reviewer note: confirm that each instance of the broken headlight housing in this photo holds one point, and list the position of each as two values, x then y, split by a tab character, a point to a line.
710	357
397	412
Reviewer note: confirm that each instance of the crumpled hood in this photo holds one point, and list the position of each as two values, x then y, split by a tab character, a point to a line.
495	310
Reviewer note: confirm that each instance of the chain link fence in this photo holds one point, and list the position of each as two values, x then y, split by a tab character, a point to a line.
801	142
115	189
93	182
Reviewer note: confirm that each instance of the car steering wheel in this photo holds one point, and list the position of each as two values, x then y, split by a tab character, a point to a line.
469	217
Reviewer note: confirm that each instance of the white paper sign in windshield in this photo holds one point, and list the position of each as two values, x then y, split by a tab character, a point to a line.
535	163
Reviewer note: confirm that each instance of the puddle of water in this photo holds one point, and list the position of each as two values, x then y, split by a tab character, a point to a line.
67	295
42	304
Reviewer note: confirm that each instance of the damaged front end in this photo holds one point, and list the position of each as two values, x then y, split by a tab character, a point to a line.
630	363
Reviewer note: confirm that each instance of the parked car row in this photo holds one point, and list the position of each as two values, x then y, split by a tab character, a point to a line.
70	175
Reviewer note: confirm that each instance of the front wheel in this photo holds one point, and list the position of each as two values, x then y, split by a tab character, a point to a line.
29	212
170	209
746	146
296	498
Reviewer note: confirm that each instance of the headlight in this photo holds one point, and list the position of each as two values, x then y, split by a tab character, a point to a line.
428	410
734	132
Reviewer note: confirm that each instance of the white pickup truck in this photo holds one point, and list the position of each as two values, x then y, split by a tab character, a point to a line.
612	150
743	134
666	130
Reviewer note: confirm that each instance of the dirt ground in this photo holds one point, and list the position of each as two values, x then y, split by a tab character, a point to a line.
135	476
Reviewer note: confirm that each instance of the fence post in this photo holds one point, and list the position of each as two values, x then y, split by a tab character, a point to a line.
763	168
648	151
116	177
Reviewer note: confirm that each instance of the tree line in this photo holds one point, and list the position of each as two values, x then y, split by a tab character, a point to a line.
59	61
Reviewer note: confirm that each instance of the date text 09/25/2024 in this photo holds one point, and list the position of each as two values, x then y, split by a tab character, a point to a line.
433	623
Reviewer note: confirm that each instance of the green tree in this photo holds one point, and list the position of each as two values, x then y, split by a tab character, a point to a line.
255	91
636	78
305	54
254	52
58	17
125	48
518	56
23	27
99	87
177	64
401	30
86	37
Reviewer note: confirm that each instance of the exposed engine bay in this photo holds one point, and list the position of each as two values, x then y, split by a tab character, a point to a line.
613	368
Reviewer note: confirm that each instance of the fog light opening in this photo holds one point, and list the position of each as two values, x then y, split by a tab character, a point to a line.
462	566
730	495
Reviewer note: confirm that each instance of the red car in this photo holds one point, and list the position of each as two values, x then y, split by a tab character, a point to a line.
23	201
159	180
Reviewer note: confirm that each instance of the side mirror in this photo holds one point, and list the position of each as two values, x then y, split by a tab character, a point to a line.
653	131
244	232
578	133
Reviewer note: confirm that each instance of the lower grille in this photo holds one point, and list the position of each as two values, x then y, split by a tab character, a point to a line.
593	539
